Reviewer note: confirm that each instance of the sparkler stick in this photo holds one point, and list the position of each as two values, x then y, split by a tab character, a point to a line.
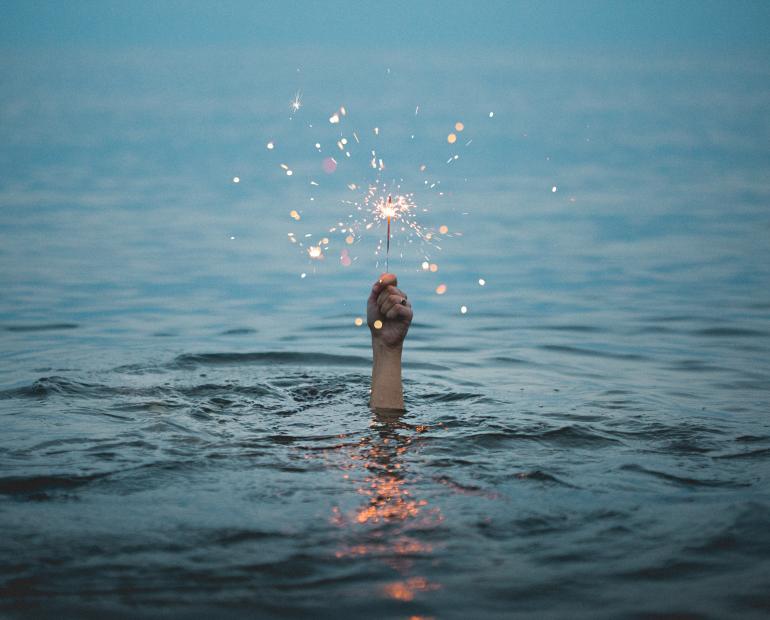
387	245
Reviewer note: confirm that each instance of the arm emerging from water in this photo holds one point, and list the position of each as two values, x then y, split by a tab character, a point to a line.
388	314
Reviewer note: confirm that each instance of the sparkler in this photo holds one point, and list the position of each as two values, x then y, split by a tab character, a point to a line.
387	247
375	199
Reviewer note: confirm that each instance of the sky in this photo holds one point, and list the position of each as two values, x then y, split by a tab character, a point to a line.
733	26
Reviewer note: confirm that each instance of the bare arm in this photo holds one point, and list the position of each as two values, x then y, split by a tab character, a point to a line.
389	315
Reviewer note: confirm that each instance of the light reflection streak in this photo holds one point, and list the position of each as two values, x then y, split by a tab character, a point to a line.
389	522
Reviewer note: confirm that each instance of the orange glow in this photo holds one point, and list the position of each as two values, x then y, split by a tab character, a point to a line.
459	126
405	590
441	289
451	138
443	229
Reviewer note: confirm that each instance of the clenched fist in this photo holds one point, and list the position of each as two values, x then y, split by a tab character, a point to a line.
388	312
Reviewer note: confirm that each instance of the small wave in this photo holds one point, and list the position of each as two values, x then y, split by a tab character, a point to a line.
55	385
682	480
695	366
571	436
42	327
444	397
578	329
47	386
541	476
189	361
751	454
193	360
239	331
592	352
29	485
729	332
501	359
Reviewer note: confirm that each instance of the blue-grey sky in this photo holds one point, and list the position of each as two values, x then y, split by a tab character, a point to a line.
729	26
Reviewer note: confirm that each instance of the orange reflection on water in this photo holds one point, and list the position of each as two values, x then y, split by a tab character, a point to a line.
388	525
405	590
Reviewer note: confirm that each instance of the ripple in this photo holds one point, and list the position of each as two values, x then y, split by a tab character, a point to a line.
592	352
41	327
683	480
729	332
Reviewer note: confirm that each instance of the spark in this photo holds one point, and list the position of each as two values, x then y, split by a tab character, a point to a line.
463	309
378	324
482	281
359	321
459	126
236	179
554	189
451	138
296	103
270	145
314	251
441	289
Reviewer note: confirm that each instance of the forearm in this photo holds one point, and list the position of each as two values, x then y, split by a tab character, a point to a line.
387	392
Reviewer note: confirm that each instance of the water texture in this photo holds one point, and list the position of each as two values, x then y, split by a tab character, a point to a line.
185	429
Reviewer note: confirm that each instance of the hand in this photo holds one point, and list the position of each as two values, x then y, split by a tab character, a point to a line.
389	305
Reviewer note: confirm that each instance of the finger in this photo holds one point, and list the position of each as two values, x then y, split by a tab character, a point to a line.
403	313
377	288
385	280
389	302
390	290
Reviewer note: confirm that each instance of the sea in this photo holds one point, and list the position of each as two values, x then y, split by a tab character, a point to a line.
183	388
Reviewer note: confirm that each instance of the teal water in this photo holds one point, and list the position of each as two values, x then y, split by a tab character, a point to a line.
185	428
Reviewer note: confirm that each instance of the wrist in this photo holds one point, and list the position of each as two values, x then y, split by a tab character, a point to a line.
384	350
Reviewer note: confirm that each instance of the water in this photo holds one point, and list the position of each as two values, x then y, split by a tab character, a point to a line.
185	428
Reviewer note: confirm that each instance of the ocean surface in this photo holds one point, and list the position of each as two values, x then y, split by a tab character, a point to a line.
185	429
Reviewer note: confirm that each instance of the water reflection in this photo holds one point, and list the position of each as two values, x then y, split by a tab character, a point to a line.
393	523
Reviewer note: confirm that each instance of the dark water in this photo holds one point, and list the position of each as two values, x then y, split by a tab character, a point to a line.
185	429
